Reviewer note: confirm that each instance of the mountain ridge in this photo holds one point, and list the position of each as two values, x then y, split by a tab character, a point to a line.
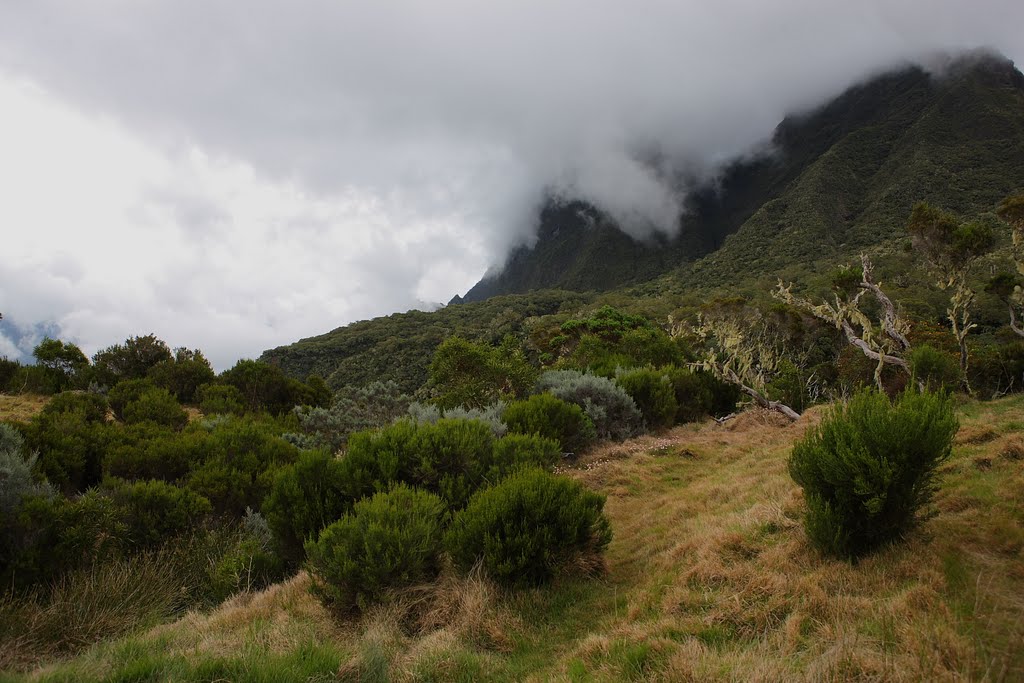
852	139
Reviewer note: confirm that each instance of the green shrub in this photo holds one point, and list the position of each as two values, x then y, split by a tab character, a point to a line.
551	417
724	396
472	375
157	406
244	456
869	467
183	374
8	371
91	407
938	371
692	393
527	527
131	360
307	496
156	511
262	386
247	564
31	379
70	436
126	391
997	368
220	399
653	394
515	452
389	541
452	458
449	458
151	451
789	386
609	407
50	535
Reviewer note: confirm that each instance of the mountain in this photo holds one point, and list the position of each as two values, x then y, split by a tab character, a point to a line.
837	179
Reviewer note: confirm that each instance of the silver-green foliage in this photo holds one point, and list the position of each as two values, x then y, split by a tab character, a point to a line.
615	415
426	413
16	478
354	409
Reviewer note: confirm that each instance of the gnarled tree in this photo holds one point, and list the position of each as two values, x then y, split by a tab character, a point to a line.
883	341
1005	285
741	347
950	248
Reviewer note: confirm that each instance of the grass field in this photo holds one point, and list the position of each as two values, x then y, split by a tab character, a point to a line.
21	407
709	578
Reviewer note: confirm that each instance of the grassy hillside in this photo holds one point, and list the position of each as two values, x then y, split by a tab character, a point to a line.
21	407
709	577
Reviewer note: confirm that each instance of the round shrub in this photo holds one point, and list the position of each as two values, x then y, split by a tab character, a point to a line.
692	393
157	406
653	394
125	392
220	399
452	457
527	527
609	407
515	452
241	463
92	408
151	451
936	370
449	458
551	417
156	511
306	497
389	541
70	436
870	466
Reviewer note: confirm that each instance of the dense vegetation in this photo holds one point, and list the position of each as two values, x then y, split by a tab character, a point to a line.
434	449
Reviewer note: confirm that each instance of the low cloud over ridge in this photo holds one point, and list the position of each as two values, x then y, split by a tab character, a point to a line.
278	169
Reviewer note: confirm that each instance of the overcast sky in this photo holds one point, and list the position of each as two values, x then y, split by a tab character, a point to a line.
235	175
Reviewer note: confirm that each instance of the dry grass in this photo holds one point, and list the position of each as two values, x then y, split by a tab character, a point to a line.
21	407
709	578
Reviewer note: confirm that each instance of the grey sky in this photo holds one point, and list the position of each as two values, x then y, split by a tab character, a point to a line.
236	175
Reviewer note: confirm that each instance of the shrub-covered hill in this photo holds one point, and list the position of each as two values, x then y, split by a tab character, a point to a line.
709	577
837	179
399	347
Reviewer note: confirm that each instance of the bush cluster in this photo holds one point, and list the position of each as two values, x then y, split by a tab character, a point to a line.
609	407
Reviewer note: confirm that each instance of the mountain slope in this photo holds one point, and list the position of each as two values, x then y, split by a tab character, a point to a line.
840	178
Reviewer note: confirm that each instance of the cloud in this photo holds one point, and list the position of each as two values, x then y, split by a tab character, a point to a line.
236	175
